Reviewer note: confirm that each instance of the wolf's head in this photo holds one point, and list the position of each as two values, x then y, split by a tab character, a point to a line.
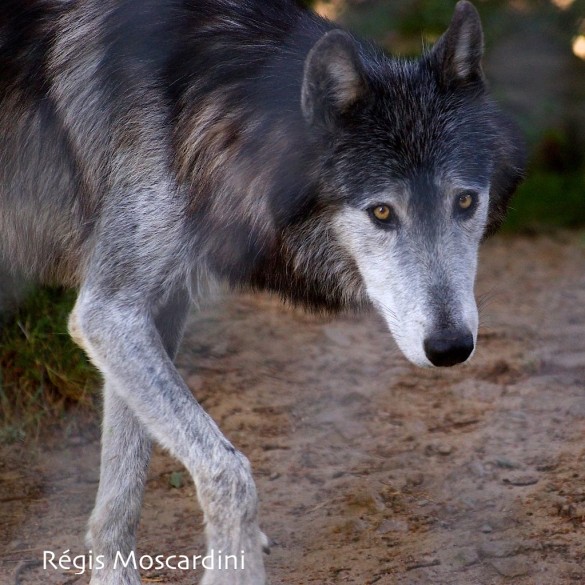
418	168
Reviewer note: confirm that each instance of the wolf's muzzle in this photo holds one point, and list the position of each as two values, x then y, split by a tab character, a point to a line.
448	347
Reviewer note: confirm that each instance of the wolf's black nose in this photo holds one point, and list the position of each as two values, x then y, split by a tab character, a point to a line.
448	347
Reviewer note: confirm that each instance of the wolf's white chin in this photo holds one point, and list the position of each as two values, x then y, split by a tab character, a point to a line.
411	345
419	361
414	355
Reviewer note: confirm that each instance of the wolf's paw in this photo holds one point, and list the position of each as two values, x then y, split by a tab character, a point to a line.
249	569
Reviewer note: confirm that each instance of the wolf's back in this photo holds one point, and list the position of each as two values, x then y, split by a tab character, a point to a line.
83	84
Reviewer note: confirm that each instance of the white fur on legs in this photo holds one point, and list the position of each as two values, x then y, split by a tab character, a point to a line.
125	456
128	347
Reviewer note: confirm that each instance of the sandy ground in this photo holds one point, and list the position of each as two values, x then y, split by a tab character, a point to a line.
368	469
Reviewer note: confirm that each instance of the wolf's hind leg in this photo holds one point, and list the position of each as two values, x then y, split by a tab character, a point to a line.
126	451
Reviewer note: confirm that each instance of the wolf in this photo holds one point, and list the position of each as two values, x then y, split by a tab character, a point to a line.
151	148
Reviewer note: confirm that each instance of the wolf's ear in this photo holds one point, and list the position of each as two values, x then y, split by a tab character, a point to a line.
333	78
458	53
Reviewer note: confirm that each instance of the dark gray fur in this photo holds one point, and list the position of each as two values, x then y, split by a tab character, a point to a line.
150	147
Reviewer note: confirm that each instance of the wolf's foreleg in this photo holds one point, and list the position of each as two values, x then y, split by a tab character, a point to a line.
112	528
123	340
125	456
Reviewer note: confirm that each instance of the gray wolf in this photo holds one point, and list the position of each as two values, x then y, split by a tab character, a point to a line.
149	148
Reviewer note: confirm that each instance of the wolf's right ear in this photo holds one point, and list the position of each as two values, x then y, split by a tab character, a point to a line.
458	53
333	78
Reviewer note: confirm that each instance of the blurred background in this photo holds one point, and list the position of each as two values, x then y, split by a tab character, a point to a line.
535	63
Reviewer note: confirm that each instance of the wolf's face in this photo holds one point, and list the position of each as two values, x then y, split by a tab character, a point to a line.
419	265
420	168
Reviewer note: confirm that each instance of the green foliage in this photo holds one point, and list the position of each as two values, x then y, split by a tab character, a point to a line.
41	369
548	200
431	17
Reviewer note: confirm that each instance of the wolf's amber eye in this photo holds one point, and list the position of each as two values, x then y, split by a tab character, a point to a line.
382	213
383	216
465	200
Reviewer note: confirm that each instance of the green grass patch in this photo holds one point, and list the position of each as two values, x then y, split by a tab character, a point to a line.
41	370
548	200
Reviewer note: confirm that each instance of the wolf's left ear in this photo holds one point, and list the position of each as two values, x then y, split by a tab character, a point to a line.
333	78
458	53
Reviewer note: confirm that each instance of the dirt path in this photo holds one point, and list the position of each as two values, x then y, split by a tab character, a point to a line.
369	470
